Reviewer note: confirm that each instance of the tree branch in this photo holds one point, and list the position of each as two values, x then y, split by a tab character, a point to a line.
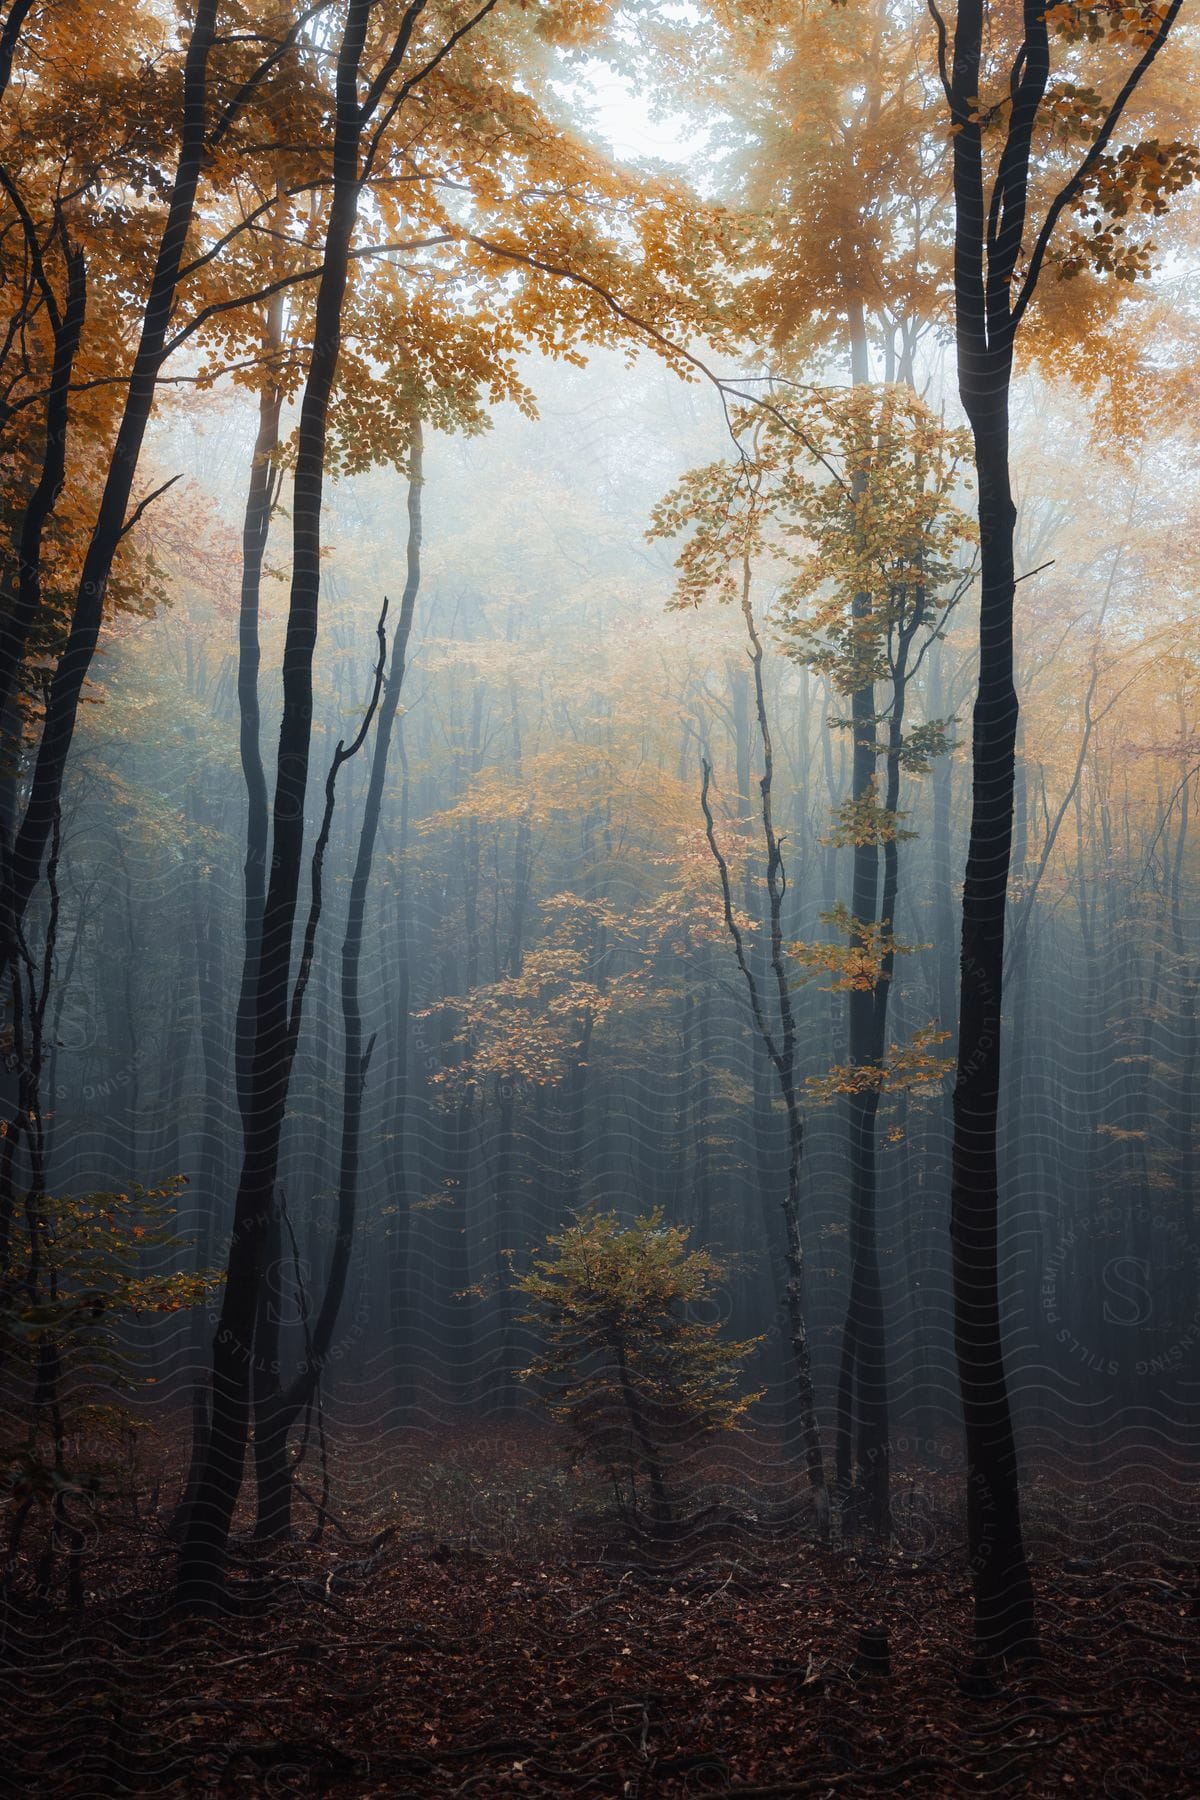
731	924
253	82
1067	194
144	505
341	755
287	281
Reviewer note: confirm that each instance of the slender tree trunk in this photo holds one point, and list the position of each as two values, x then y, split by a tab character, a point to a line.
781	1048
19	620
991	292
400	1294
208	1525
256	525
8	38
62	703
944	934
254	531
983	271
211	1169
282	1409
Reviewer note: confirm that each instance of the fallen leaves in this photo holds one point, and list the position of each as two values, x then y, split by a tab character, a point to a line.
550	1667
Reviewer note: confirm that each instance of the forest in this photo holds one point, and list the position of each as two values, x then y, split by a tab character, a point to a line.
599	905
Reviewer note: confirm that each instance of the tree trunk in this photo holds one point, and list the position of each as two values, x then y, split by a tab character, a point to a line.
207	1532
1004	1613
256	525
17	622
780	1046
62	703
281	1410
399	1279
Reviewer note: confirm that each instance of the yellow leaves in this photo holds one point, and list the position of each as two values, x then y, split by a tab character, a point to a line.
836	496
1072	111
1135	22
1139	178
858	960
534	1028
629	1343
489	228
913	1068
865	821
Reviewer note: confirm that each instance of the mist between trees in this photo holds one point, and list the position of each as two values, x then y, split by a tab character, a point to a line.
523	766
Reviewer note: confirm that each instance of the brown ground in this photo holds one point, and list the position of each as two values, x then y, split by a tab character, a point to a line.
468	1627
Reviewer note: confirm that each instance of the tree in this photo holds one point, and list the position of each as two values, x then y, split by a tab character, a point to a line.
722	554
24	857
866	482
380	68
884	573
277	1407
639	1379
828	139
51	215
207	1523
901	275
1000	254
79	1284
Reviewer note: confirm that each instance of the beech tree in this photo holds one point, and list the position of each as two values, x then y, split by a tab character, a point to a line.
731	508
867	483
849	268
627	1364
584	304
216	1489
1000	255
889	564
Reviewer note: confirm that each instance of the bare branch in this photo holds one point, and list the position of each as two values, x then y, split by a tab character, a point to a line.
731	924
940	27
341	755
144	505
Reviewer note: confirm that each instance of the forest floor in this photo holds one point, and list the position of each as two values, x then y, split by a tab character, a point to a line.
466	1627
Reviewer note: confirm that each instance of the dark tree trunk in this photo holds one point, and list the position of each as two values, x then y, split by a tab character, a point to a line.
207	1531
9	36
282	1409
17	623
1004	1613
62	703
254	531
256	525
991	230
944	933
862	1342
